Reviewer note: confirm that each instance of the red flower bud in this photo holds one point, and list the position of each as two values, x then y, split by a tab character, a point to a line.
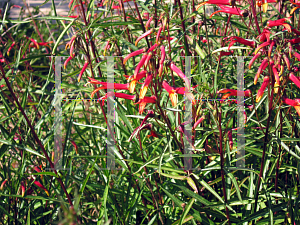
262	88
142	36
262	67
253	59
82	70
138	52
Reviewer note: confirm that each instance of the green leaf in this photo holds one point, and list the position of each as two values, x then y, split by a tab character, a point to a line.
21	147
186	211
172	196
231	48
61	36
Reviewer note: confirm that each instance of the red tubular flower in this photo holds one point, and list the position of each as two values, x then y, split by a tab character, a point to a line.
180	74
253	59
12	45
74	17
243	41
264	4
273	23
265	35
146	15
75	6
105	84
70	42
70	4
72	49
152	48
16	6
226	53
75	146
232	92
138	52
133	81
2	185
141	63
117	95
152	134
287	61
144	88
34	41
216	2
296	31
275	72
261	46
41	186
297	55
295	103
82	70
262	67
142	36
167	38
232	11
66	62
106	47
198	122
41	44
294	79
147	59
262	88
122	95
162	59
229	133
172	93
290	49
139	76
23	188
158	34
294	9
189	95
148	23
144	101
271	48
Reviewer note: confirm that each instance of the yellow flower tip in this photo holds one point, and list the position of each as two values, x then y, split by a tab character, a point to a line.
7	53
297	109
132	86
173	98
201	4
258	98
293	10
37	46
288	27
265	7
143	92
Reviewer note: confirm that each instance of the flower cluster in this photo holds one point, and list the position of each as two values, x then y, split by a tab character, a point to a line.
145	70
